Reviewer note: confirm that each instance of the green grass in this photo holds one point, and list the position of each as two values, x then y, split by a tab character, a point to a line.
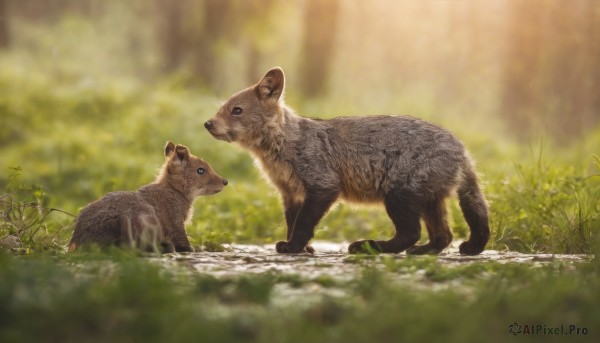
549	208
122	297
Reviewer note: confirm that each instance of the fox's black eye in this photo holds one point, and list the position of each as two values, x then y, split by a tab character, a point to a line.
236	111
201	171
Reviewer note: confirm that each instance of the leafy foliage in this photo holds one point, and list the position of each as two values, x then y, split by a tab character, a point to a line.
24	221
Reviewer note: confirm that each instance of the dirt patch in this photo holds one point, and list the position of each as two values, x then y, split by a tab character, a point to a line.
304	280
332	260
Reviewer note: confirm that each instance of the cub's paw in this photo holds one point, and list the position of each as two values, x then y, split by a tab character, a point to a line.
364	247
471	248
187	248
309	249
167	247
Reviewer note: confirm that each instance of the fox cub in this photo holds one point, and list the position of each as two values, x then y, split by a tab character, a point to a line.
152	218
409	165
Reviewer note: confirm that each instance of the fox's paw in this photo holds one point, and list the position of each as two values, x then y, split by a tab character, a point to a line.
364	247
471	248
425	249
284	247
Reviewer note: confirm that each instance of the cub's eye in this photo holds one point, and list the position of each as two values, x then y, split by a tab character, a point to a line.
236	111
201	171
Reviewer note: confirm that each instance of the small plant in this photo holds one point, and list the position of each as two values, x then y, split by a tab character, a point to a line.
24	224
214	241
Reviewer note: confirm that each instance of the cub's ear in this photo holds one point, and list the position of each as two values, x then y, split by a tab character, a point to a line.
183	154
169	148
272	85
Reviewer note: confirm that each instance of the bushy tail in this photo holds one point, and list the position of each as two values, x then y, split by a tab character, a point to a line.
475	210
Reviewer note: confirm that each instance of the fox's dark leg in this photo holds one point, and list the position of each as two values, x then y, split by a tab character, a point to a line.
436	221
291	213
404	208
475	210
309	214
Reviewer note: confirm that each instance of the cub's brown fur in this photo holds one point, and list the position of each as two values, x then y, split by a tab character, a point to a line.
409	165
155	215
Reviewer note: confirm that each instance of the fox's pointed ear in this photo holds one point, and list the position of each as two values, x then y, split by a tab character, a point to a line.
169	148
272	85
183	153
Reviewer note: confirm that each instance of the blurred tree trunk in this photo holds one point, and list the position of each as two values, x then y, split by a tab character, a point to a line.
204	34
320	25
253	60
520	72
170	33
551	74
217	23
592	78
4	33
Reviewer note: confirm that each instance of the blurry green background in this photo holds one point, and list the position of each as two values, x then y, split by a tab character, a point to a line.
91	90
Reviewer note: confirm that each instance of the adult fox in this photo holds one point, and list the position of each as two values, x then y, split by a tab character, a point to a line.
409	165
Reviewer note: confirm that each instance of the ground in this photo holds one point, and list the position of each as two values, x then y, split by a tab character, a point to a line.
250	293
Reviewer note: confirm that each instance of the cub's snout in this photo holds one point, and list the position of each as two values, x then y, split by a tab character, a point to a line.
208	182
220	184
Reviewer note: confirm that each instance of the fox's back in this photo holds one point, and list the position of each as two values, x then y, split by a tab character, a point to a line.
374	154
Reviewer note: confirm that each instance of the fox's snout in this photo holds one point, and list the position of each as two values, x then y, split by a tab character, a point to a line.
220	129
